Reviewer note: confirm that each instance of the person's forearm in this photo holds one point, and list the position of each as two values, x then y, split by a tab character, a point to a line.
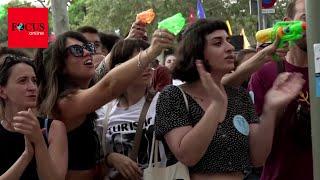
45	167
245	70
117	80
16	170
195	143
261	137
254	63
103	68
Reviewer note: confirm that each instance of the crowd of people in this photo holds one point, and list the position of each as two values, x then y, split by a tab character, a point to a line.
90	105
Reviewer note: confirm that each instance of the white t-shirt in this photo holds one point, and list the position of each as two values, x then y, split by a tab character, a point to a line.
121	129
177	82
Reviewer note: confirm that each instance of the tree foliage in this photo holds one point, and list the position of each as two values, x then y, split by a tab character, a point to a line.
77	11
110	15
4	19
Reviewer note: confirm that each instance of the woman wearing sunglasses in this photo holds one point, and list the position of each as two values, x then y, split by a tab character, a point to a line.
31	147
68	93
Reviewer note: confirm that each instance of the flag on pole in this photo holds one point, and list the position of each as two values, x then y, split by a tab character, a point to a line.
200	11
246	44
229	27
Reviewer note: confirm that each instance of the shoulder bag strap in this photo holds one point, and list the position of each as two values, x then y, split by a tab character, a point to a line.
155	143
184	97
137	138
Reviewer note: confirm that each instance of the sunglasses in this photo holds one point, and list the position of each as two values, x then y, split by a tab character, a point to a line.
11	60
78	50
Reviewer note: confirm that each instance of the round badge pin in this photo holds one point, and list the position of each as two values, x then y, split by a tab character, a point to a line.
240	123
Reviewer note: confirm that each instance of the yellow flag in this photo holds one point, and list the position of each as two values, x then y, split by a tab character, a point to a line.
246	44
229	27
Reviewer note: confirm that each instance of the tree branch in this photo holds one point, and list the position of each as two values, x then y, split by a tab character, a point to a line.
42	3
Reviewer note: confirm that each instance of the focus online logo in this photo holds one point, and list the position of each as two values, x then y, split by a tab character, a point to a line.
20	26
28	27
33	29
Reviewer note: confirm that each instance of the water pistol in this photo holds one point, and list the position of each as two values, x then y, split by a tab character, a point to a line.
288	31
146	17
173	24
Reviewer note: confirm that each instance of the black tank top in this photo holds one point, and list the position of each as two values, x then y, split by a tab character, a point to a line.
12	146
83	146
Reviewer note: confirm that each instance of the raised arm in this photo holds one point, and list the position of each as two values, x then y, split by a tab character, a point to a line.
138	31
247	68
103	68
114	82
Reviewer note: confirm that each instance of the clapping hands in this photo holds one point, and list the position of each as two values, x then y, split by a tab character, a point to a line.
285	88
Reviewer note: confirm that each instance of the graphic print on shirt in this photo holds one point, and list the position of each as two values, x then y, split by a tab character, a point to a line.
121	138
122	129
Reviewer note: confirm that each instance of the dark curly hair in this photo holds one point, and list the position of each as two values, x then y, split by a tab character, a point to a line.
191	48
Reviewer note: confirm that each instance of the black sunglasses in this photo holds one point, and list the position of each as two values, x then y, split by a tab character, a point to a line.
11	60
15	58
78	50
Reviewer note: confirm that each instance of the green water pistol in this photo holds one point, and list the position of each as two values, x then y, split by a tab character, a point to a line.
288	31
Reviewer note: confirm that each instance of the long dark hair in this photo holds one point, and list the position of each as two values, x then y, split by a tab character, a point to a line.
53	84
